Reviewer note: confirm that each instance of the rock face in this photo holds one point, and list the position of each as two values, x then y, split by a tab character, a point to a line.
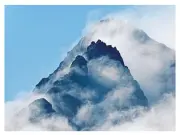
39	109
42	82
80	63
148	60
151	63
96	77
98	49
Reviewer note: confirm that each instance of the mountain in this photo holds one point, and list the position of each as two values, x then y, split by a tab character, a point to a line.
113	68
92	77
150	62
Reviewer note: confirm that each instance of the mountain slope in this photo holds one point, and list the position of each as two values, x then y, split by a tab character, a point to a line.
94	77
151	63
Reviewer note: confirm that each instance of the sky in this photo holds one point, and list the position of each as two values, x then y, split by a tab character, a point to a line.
37	39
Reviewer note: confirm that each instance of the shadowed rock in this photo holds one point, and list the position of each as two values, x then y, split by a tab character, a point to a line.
66	92
99	48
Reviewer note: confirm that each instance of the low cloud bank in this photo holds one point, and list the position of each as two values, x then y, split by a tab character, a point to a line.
160	117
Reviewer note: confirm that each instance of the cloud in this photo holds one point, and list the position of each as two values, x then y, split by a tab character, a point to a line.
157	21
16	121
106	71
148	60
105	116
160	117
84	113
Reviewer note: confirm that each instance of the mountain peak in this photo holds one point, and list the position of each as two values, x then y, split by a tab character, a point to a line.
99	48
106	20
79	65
95	76
79	61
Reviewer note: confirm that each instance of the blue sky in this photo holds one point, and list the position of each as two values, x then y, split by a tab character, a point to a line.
36	38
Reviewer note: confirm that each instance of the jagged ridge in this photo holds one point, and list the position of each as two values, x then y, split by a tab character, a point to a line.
65	92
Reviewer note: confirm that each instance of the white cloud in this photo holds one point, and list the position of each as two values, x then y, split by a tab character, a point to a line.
15	121
84	113
105	71
160	117
157	21
147	59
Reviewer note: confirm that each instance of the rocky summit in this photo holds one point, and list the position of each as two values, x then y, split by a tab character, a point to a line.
93	77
